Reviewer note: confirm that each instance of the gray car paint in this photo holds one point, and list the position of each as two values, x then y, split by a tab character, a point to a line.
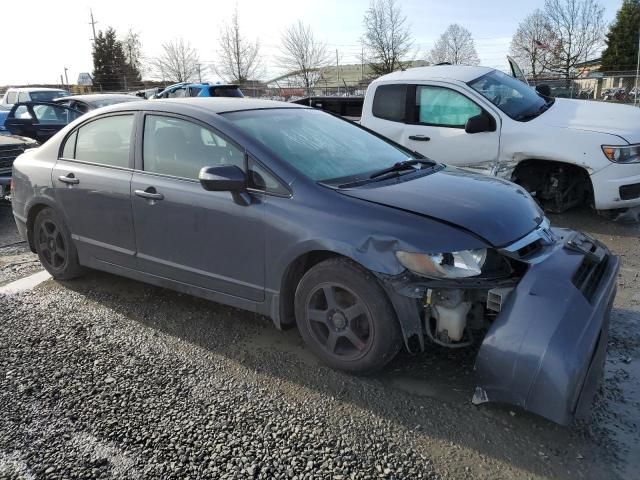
208	244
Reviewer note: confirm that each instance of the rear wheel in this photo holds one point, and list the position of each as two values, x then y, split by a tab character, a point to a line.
344	316
55	248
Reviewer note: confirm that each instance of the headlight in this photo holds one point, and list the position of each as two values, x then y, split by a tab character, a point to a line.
467	263
622	154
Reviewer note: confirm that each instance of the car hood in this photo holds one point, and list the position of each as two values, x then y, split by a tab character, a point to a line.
16	140
496	210
611	118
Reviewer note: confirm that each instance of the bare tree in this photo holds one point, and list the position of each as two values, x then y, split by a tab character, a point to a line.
528	43
455	46
179	62
386	39
132	47
239	58
302	55
578	33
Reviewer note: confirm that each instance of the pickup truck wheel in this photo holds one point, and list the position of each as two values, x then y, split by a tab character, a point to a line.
345	318
55	248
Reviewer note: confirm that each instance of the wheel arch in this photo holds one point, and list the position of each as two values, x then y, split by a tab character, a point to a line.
533	168
406	309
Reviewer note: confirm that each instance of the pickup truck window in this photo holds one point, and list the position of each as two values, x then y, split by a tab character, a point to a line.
390	102
444	107
11	98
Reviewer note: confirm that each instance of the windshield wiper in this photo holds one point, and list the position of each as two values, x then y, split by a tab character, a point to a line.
528	116
399	167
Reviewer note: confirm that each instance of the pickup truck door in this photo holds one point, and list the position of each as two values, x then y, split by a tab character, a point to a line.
436	128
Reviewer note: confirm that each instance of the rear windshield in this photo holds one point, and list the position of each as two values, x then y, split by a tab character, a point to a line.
103	102
47	95
225	92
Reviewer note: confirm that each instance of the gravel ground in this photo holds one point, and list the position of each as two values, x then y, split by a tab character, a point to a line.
105	377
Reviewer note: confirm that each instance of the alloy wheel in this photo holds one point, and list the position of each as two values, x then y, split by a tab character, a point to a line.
51	245
339	321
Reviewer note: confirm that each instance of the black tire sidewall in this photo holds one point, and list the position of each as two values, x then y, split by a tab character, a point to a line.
71	267
386	333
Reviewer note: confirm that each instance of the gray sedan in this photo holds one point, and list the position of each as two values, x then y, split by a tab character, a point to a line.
317	222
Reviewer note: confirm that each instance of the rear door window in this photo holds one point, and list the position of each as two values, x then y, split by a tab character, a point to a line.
180	148
105	141
390	102
23	97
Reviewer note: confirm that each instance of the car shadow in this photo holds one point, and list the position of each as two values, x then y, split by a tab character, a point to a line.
428	394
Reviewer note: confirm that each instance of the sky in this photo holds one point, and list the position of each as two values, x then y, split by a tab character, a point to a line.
55	35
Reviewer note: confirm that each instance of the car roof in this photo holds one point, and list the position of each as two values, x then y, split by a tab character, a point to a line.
210	104
36	89
461	73
96	97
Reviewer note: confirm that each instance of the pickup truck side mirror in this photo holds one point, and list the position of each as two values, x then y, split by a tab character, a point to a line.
480	123
544	90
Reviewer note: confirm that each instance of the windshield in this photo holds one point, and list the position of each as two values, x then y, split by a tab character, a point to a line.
47	95
103	102
516	99
322	147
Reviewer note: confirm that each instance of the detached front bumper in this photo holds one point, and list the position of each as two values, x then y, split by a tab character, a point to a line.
545	351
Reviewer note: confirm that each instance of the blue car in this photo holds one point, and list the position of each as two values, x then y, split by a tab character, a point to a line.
186	89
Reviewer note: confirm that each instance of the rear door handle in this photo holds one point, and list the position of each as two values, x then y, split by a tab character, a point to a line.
419	138
150	193
70	179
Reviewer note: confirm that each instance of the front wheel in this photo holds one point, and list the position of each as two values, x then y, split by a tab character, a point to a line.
345	317
55	248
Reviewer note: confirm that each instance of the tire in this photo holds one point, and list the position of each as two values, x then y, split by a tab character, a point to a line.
346	318
56	250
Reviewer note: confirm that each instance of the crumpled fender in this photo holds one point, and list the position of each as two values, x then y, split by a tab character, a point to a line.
545	351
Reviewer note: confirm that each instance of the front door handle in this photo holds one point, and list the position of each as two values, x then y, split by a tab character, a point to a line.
419	138
70	179
150	193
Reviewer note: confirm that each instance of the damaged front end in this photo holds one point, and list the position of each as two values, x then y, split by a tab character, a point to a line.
543	306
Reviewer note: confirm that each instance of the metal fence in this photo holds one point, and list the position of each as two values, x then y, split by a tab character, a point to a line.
620	87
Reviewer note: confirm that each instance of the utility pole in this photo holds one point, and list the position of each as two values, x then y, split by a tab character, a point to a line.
337	72
637	95
61	81
199	74
93	26
66	77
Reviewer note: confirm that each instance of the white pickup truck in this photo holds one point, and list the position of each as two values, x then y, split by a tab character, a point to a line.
565	152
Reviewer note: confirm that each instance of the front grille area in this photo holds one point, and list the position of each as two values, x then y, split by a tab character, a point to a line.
629	192
7	155
589	275
530	249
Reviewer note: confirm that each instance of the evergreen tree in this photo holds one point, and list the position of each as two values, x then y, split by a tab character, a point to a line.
111	71
621	52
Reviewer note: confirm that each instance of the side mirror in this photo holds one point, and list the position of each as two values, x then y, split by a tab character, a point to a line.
226	178
480	123
544	90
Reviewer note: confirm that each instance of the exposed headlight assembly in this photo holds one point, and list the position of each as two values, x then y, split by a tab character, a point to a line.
622	153
463	264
